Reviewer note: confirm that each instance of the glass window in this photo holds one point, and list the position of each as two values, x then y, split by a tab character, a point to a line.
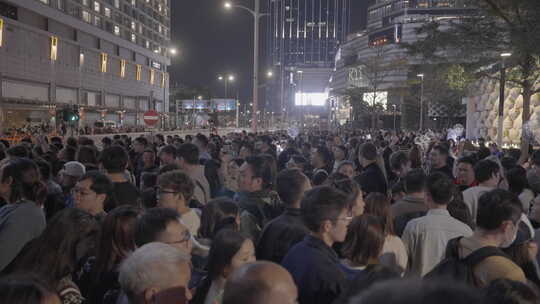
97	6
133	38
133	2
147	44
108	12
117	30
86	16
45	1
117	3
86	2
97	21
60	4
133	25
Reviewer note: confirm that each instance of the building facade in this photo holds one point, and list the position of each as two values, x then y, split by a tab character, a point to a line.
390	23
303	38
106	59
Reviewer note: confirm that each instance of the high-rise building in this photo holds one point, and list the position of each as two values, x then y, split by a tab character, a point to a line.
106	59
303	38
390	23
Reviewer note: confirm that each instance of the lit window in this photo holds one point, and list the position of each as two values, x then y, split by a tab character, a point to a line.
160	29
86	16
86	2
133	38
139	72
133	2
1	31
117	3
152	76
45	1
163	76
97	21
97	6
104	62
133	25
140	28
81	59
123	68
108	12
159	8
117	30
54	48
147	44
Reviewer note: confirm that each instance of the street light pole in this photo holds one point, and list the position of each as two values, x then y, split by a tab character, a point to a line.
421	103
501	100
256	16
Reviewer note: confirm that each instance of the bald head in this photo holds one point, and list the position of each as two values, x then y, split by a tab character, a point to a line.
260	283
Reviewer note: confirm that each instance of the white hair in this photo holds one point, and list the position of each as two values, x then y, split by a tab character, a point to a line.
150	266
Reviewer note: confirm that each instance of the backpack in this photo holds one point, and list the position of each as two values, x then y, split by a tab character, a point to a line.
454	268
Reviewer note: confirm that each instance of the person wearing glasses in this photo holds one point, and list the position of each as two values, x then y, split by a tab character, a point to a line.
313	264
91	193
163	225
175	189
426	237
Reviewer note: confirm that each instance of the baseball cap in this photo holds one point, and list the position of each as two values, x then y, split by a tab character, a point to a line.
74	168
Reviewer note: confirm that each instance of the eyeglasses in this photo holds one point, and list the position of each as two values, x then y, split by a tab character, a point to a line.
185	238
160	191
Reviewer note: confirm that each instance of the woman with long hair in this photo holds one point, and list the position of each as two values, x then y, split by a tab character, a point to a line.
54	255
394	254
99	278
22	219
229	251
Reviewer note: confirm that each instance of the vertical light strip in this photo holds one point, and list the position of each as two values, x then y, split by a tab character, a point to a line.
104	59
1	31
163	76
139	69
122	68
54	48
152	76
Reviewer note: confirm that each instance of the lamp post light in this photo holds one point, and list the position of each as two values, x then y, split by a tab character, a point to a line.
256	16
226	79
502	86
421	102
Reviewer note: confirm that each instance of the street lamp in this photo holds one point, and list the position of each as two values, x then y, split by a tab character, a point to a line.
421	102
269	74
256	18
227	79
502	86
173	51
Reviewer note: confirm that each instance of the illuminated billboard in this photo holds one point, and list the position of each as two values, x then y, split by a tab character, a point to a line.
381	97
310	99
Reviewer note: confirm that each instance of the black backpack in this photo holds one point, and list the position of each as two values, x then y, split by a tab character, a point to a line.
457	269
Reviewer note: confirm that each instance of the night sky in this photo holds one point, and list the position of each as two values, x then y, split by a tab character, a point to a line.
215	41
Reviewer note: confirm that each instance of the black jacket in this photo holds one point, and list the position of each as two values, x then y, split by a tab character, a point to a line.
315	269
372	180
280	235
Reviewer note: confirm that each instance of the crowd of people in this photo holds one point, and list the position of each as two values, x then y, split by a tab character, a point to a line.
320	218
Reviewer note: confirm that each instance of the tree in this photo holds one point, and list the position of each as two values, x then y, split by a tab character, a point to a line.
492	28
375	71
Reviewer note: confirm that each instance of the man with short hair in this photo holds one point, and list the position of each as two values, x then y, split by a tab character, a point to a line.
260	283
499	215
400	164
413	204
167	155
69	175
371	179
287	229
465	173
115	162
425	238
156	273
313	263
201	141
175	190
439	161
162	225
188	160
258	203
91	193
487	173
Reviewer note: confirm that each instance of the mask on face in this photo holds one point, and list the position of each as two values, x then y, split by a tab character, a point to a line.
511	236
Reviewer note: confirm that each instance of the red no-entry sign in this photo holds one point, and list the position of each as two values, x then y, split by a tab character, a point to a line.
151	118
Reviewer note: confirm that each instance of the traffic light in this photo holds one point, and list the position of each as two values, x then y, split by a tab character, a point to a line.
70	115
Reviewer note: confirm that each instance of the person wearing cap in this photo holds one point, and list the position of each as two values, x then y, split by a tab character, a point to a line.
69	175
